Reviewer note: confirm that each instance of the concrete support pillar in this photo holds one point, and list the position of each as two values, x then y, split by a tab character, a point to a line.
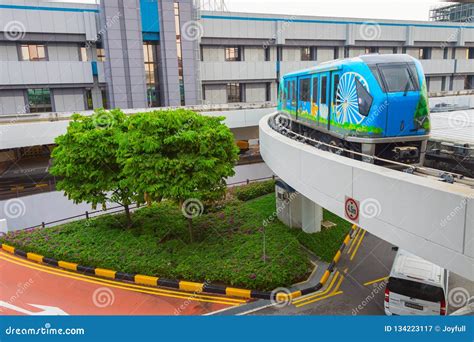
312	216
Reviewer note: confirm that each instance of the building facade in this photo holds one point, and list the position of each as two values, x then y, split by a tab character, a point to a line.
57	57
458	11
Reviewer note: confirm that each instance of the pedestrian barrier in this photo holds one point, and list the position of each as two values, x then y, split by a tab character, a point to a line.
181	284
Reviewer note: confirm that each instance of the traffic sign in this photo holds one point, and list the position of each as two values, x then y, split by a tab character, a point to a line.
351	208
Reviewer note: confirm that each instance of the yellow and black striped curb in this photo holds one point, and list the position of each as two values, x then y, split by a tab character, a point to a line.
326	274
186	286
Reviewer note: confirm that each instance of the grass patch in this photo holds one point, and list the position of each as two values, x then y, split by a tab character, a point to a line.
231	245
325	243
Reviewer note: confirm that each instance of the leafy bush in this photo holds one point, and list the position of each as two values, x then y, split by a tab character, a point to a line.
254	190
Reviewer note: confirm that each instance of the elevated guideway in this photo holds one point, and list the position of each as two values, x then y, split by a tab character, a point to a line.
428	217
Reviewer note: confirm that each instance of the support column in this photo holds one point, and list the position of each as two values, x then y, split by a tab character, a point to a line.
312	216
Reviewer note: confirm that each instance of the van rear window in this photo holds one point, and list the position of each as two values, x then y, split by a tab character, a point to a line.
415	289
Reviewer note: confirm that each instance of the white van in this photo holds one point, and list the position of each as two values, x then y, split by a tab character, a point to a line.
416	287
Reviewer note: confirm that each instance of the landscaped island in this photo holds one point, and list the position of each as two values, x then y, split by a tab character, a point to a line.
230	246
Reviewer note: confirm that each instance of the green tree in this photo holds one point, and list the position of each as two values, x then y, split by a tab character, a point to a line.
85	161
178	155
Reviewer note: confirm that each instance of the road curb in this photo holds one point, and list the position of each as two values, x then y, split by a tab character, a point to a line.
182	285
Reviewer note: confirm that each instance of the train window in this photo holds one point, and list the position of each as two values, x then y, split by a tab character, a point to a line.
324	85
376	74
315	89
414	75
335	85
293	92
305	89
397	78
365	99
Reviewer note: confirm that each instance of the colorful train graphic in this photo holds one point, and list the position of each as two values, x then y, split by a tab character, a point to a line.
375	104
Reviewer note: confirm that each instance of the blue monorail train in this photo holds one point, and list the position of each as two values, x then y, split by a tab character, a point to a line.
374	104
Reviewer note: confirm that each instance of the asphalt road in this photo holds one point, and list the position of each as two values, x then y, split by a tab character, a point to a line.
357	285
28	288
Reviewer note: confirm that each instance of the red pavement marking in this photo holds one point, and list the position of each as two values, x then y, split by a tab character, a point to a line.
21	286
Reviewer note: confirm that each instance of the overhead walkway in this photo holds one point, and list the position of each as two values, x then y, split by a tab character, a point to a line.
428	217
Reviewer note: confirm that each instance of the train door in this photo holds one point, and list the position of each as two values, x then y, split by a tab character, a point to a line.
315	98
335	77
291	98
304	97
324	99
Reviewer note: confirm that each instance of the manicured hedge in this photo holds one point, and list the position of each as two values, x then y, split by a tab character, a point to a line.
254	190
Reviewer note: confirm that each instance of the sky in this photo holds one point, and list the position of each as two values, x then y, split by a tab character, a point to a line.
374	9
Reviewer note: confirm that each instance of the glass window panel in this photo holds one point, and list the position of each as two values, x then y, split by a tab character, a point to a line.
25	54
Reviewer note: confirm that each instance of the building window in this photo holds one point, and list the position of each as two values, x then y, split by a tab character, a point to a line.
33	52
233	54
346	52
309	53
235	92
336	53
100	55
89	102
179	49
372	49
404	49
268	92
470	53
151	74
39	100
425	53
266	50
443	83
469	82
445	53
453	55
83	54
395	50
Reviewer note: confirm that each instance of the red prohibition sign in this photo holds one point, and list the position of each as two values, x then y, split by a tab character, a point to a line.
351	209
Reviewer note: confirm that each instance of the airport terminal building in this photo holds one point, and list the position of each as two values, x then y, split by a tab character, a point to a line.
62	57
